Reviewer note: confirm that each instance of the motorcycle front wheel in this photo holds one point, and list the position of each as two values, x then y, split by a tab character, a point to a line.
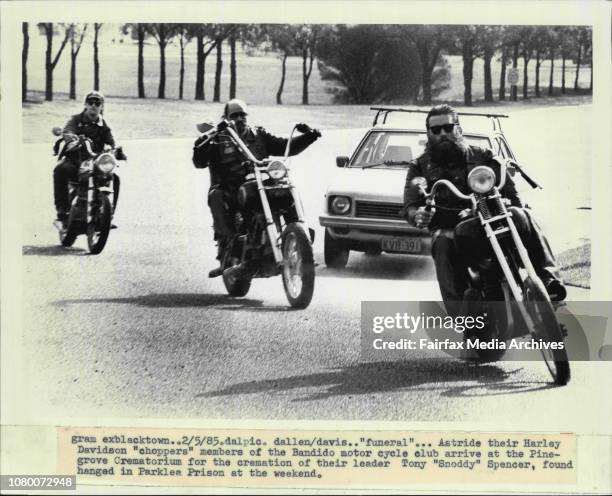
99	227
546	329
298	266
69	235
236	283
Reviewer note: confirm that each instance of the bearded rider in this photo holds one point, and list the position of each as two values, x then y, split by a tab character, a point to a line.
88	123
225	163
448	156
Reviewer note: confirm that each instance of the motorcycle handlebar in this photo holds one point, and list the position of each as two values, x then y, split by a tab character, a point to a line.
445	182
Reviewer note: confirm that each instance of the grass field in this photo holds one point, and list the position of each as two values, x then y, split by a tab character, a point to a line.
258	76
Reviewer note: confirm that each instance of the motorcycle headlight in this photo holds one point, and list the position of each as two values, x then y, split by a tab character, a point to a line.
106	163
277	170
340	205
481	179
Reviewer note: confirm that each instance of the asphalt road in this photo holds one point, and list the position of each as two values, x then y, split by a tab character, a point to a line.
140	331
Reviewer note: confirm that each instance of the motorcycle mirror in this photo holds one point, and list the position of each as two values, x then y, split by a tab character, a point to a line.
419	182
204	127
57	131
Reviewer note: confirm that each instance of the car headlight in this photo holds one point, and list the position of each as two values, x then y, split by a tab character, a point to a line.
277	170
106	163
340	205
481	179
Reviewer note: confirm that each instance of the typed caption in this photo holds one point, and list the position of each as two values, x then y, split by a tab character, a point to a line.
318	458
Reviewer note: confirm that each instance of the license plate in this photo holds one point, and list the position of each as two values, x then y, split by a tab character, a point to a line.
410	245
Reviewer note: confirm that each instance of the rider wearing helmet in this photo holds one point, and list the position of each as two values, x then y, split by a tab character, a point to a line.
88	123
224	161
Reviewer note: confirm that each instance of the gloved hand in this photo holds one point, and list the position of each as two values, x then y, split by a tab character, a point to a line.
423	217
305	128
119	155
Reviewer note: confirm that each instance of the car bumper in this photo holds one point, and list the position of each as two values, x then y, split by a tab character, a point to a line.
364	230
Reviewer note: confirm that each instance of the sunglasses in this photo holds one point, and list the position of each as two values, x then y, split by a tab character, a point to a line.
448	128
237	115
97	103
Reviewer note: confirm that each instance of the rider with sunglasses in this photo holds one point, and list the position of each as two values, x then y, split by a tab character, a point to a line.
448	156
90	123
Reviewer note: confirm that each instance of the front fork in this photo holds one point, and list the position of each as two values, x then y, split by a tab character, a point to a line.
273	235
516	287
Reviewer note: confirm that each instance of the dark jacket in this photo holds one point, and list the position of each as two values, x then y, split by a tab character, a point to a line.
447	204
225	160
99	132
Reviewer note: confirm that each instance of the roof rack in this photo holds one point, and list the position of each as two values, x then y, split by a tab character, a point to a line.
385	111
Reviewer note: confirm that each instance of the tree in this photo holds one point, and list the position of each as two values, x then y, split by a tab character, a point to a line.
24	61
184	36
541	41
138	32
553	39
583	37
141	37
281	38
466	41
306	39
205	35
162	33
429	41
76	35
527	44
51	61
233	75
566	41
96	60
489	41
222	32
218	70
369	64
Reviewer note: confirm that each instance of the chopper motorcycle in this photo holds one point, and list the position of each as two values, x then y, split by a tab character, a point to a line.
92	196
503	282
270	233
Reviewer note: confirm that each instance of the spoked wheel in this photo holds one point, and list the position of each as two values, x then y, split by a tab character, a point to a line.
547	330
236	284
495	329
99	227
298	267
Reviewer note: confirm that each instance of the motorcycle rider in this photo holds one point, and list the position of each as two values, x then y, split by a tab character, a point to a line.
89	123
448	156
227	173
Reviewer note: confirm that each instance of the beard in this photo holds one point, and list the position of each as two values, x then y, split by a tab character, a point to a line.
447	151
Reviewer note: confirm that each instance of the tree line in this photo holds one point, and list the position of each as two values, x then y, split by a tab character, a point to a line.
361	63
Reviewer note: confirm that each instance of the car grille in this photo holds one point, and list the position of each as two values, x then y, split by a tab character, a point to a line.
377	210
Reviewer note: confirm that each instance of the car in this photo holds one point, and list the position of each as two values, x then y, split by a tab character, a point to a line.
364	203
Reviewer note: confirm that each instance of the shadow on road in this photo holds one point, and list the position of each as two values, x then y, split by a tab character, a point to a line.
174	300
379	377
52	250
382	266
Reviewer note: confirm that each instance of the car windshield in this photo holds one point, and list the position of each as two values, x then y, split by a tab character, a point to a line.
395	149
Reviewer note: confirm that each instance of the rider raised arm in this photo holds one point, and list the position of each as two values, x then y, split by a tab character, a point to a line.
225	160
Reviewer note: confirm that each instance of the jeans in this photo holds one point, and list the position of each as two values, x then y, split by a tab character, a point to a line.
66	170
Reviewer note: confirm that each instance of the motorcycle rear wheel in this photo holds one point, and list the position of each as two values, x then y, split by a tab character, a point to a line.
99	227
546	328
298	267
